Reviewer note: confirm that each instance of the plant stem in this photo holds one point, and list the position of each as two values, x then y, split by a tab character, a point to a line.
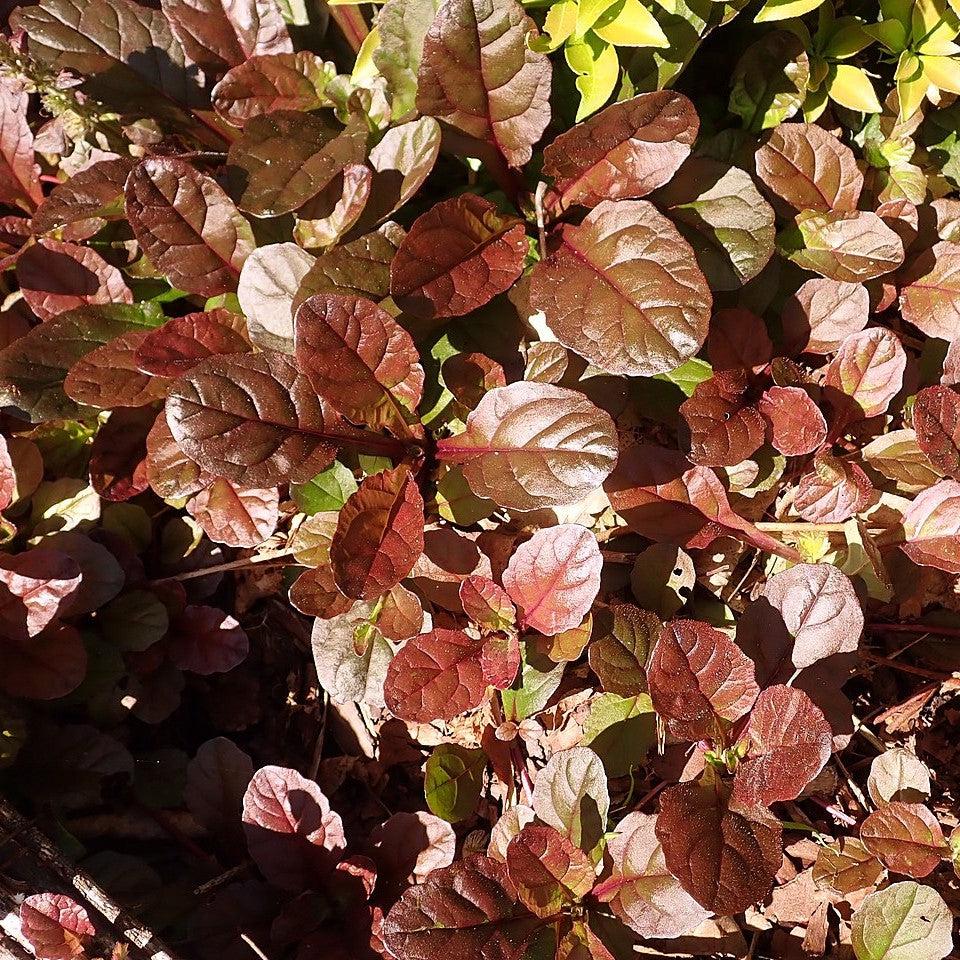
352	25
914	628
232	565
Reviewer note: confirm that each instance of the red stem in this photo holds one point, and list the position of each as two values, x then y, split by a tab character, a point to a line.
352	25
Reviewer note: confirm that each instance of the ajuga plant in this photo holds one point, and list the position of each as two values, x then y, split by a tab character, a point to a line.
479	479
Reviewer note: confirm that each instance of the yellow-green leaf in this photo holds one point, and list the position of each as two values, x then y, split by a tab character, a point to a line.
453	780
851	87
942	72
589	12
628	23
846	37
784	9
365	69
597	68
558	27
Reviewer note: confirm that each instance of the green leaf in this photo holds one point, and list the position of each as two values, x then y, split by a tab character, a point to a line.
403	24
453	780
688	376
620	730
905	921
328	490
851	87
628	23
597	67
539	679
770	81
785	9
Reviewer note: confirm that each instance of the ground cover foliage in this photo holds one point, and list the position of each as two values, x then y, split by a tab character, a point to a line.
480	479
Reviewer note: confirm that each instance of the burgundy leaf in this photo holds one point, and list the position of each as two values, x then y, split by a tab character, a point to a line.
333	211
293	835
118	455
725	855
456	257
725	425
796	424
469	909
435	676
316	594
700	681
623	289
235	517
19	171
549	872
500	659
45	667
620	648
487	604
479	74
788	743
906	837
833	491
738	339
661	495
931	527
33	586
554	577
280	81
868	368
531	445
56	926
470	376
409	847
930	291
171	350
640	890
218	34
936	420
808	168
170	472
217	778
823	313
255	420
86	201
187	226
285	158
360	359
108	377
379	534
55	277
205	640
625	151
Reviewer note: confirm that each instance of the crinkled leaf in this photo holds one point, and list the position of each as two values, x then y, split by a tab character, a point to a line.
87	200
333	211
206	640
352	656
788	743
487	604
554	577
623	290
180	343
280	81
906	837
700	681
33	587
846	866
769	82
530	445
187	226
897	456
930	291
868	368
56	926
570	794
435	676
55	277
452	781
379	534
548	870
456	257
833	491
623	636
905	921
640	890
803	615
479	75
285	158
808	168
627	150
469	909
850	246
797	426
936	420
725	425
234	516
255	420
218	34
403	24
931	527
19	171
823	313
719	210
360	359
898	774
725	855
118	468
292	834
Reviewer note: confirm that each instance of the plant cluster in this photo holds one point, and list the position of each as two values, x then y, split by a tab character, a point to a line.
482	479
